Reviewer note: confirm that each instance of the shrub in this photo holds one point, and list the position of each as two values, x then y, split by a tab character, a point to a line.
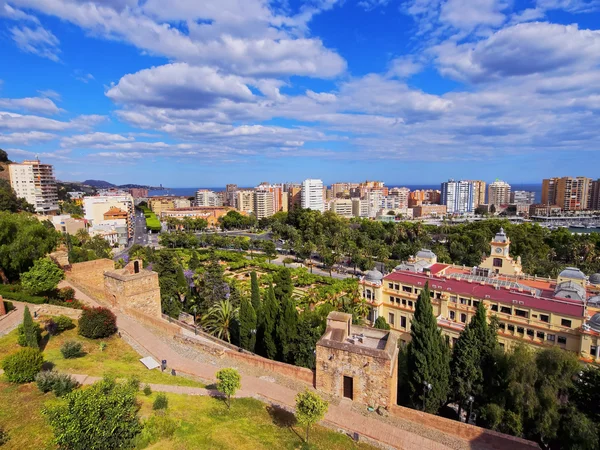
8	306
60	383
134	383
381	323
63	323
157	427
23	366
147	390
71	349
97	323
103	346
229	381
67	293
50	327
14	292
21	336
160	402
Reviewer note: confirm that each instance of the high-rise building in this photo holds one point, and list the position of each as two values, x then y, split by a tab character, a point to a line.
458	196
424	197
522	197
399	197
360	208
96	207
230	191
204	197
342	190
570	193
478	192
35	182
341	206
499	193
244	201
375	199
294	195
263	203
312	195
595	195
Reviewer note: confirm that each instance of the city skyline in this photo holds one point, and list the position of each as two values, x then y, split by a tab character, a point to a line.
417	91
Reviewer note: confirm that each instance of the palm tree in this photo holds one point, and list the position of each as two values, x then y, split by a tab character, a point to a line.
219	319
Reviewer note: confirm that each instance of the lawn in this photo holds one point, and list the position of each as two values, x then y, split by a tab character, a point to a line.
206	423
117	360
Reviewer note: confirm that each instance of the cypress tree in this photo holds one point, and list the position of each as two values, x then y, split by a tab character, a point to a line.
486	340
283	284
428	358
287	329
255	295
465	369
30	331
194	261
247	325
270	311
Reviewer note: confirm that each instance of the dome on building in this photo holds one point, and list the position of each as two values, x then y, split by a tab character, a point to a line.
425	253
594	301
374	276
594	322
500	236
572	272
595	278
571	290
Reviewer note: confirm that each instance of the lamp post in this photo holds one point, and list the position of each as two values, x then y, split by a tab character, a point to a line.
426	389
470	401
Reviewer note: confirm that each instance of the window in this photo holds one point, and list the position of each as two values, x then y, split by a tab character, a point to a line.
475	303
502	326
565	323
404	301
453	298
593	350
431	294
391	285
391	318
501	345
410	304
521	313
530	333
494	308
452	315
497	262
550	337
544	318
520	330
562	340
540	335
463	318
407	289
464	301
397	287
505	310
454	341
510	327
403	321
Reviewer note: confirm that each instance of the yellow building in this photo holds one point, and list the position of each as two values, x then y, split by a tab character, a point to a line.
160	204
538	312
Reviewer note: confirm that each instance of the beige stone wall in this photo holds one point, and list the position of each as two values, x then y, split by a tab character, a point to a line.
372	377
138	292
90	276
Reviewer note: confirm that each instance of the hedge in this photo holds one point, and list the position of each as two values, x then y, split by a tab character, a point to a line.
10	292
152	222
23	366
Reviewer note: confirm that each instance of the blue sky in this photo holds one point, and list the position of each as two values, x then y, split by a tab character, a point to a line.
204	93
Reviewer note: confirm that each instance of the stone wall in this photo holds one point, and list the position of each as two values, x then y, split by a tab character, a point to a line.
269	366
53	310
2	307
89	276
373	378
139	292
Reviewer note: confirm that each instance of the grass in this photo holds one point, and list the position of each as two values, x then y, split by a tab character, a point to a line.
23	420
117	360
206	423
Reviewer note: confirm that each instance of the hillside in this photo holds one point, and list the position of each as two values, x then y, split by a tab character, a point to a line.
99	184
4	171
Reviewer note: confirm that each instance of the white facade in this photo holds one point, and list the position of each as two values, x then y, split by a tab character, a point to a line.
360	208
458	196
205	197
522	197
342	207
263	203
95	207
35	183
244	201
312	195
499	193
399	197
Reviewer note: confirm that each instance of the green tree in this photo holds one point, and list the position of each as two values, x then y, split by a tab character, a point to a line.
284	288
270	311
255	292
248	325
23	239
182	284
213	288
576	431
23	366
270	250
166	267
428	358
465	370
310	409
287	328
43	277
228	383
31	330
219	319
381	323
310	329
99	417
9	200
194	262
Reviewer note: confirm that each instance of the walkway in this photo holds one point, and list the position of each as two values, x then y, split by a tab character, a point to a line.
339	416
11	320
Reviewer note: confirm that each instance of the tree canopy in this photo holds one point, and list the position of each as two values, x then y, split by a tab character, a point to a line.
42	277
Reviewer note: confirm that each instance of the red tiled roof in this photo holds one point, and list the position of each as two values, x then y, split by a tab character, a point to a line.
437	268
567	307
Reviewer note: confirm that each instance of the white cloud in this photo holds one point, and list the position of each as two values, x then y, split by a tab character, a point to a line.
370	5
49	93
9	12
32	104
27	138
93	139
13	121
404	67
470	14
38	41
572	6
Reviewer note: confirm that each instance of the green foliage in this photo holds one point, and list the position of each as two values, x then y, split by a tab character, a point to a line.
103	346
9	200
428	358
166	266
23	239
14	292
66	293
71	349
311	327
219	320
63	323
213	288
30	332
23	366
147	390
82	247
577	431
267	337
96	323
59	383
286	329
310	408
69	207
160	402
155	428
466	375
234	220
43	277
255	292
152	222
134	383
248	325
99	417
8	306
381	323
228	382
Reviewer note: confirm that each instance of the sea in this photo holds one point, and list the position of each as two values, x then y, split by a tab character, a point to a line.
189	192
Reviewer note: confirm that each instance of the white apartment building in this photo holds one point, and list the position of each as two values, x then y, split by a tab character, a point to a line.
458	196
312	195
342	207
399	196
95	207
35	182
522	197
375	200
360	208
499	193
244	201
204	197
263	203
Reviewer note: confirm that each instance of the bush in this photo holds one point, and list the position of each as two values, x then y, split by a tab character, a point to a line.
21	338
157	427
13	292
8	306
103	346
160	402
60	383
63	323
23	366
71	349
134	383
29	332
67	293
96	323
381	323
147	390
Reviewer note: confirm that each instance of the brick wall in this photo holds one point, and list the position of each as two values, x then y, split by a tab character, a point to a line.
139	292
478	437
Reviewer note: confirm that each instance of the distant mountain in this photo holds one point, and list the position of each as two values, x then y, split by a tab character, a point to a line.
99	184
